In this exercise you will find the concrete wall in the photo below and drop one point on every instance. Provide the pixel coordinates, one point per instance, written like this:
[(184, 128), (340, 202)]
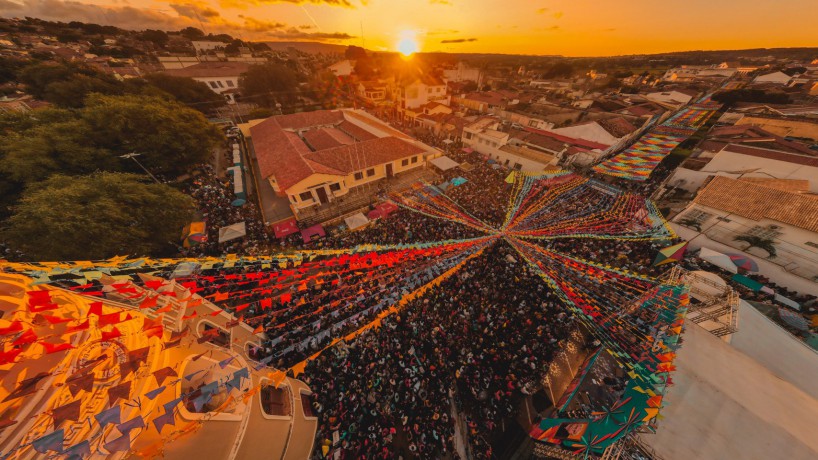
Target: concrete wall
[(726, 405), (772, 271)]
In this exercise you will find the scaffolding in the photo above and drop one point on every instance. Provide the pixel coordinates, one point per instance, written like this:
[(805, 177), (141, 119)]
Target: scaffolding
[(713, 306)]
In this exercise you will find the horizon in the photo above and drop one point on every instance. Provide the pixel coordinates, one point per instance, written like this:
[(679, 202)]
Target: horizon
[(544, 28)]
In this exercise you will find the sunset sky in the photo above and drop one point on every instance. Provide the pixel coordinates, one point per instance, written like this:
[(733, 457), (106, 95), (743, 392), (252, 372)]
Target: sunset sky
[(567, 27)]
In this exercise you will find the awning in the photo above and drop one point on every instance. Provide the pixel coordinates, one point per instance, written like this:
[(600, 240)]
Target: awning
[(374, 214), (443, 185), (718, 259), (750, 283), (458, 181), (787, 301), (356, 221), (447, 141), (232, 232), (386, 208), (285, 227), (309, 233), (744, 262), (468, 149), (444, 163)]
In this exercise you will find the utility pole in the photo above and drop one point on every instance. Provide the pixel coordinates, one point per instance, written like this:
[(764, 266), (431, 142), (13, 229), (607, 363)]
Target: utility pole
[(133, 156)]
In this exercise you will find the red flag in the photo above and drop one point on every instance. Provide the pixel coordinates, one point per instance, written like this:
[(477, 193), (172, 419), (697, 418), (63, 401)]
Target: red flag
[(15, 326), (148, 302), (7, 357), (154, 284), (286, 298), (55, 347), (111, 335), (95, 308), (25, 338), (164, 309), (266, 303), (195, 314), (220, 296), (110, 318), (55, 319), (79, 327), (259, 329)]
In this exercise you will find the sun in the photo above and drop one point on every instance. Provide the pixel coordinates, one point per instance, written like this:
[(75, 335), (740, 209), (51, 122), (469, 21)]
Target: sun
[(408, 44)]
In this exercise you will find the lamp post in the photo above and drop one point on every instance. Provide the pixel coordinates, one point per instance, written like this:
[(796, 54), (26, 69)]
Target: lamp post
[(133, 156)]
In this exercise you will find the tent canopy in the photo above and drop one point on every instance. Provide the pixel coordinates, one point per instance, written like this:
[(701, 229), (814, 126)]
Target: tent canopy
[(748, 282), (232, 232), (356, 221), (459, 181), (308, 233), (718, 259), (285, 227), (444, 163), (386, 208)]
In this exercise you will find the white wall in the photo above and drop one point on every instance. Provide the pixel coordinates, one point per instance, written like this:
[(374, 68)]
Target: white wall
[(730, 161)]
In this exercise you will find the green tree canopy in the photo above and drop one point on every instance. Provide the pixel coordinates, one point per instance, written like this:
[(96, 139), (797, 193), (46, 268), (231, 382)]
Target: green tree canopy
[(269, 83), (187, 91), (98, 216), (67, 84), (169, 136)]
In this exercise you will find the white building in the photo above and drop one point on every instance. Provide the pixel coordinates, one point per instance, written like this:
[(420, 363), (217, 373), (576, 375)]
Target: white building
[(343, 68), (726, 209), (220, 77), (692, 72), (484, 136), (778, 78), (607, 132), (418, 93), (462, 72), (673, 98)]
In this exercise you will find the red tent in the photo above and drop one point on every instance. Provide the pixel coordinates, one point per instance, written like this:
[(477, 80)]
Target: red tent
[(386, 208), (285, 227), (315, 230), (374, 214)]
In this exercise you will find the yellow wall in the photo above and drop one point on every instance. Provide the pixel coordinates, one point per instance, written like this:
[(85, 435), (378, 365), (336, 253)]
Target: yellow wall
[(783, 127)]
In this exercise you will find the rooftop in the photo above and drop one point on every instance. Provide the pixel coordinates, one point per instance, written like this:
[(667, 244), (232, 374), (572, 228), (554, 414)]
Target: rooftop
[(210, 69), (291, 148), (754, 201)]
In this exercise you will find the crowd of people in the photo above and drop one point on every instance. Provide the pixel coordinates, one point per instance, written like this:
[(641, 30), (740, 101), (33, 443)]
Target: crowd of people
[(477, 343), (214, 197)]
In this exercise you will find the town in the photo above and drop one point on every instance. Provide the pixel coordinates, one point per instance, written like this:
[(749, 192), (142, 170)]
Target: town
[(230, 248)]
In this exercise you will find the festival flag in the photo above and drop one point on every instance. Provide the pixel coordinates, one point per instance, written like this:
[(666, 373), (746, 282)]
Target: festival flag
[(149, 302), (120, 444), (14, 326), (112, 334), (7, 357), (670, 254), (107, 416), (154, 393), (70, 411), (51, 442), (77, 328), (80, 450), (95, 308), (83, 382), (25, 338), (163, 374), (162, 420), (126, 427), (26, 387), (121, 391), (55, 347)]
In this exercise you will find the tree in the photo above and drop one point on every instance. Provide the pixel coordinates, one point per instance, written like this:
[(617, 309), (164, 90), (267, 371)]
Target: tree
[(469, 86), (268, 84), (157, 37), (192, 33), (52, 148), (67, 84), (187, 91), (98, 216), (170, 136), (355, 52), (754, 241)]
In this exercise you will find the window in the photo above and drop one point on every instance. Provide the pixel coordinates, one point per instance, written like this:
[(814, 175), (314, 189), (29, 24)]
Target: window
[(359, 175), (275, 401), (220, 84), (404, 162), (698, 216), (768, 232), (518, 166), (334, 187), (230, 83), (213, 85), (370, 172), (305, 196), (414, 159), (810, 243), (723, 219)]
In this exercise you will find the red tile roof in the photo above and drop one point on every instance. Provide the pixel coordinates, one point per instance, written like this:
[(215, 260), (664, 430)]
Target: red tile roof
[(326, 138), (773, 155), (282, 154), (569, 140), (756, 202), (351, 158)]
